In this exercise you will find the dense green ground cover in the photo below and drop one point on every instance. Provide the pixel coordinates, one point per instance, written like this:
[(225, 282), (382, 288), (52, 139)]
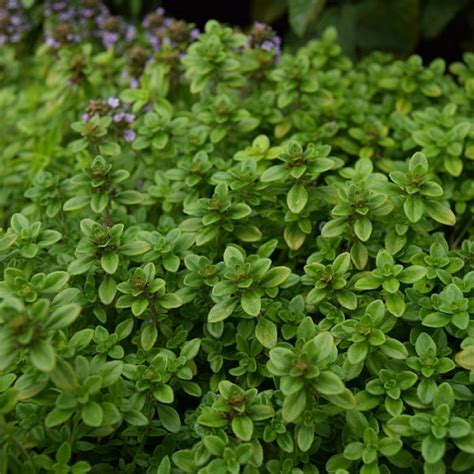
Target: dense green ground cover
[(216, 258)]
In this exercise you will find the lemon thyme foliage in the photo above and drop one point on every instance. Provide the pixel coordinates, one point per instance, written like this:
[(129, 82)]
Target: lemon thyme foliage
[(220, 257)]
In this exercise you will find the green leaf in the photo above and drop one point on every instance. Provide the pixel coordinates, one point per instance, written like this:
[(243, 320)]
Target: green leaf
[(432, 449), (458, 428), (321, 346), (8, 400), (344, 400), (441, 213), (138, 305), (64, 316), (48, 237), (135, 418), (466, 444), (266, 333), (107, 290), (261, 412), (99, 202), (395, 303), (92, 414), (328, 383), (400, 425), (363, 228), (347, 299), (412, 274), (294, 405), (76, 203), (279, 360), (130, 197), (184, 459), (191, 348), (436, 320), (367, 283), (353, 451), (222, 310), (132, 249), (81, 265), (248, 233), (43, 356), (165, 466), (274, 173), (251, 302), (359, 255), (275, 277), (297, 198), (242, 426), (169, 418), (294, 237), (240, 211), (342, 263), (465, 358), (334, 228), (57, 417), (413, 207), (164, 393), (212, 418), (394, 349), (148, 337), (63, 454), (170, 301), (109, 262), (111, 372), (305, 437), (110, 149), (357, 352), (55, 281)]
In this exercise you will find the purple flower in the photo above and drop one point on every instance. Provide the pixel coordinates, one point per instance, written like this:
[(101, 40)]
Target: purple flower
[(262, 36), (13, 23), (130, 33), (15, 20), (85, 117), (129, 135), (118, 117), (129, 118), (194, 34), (267, 46), (109, 39), (155, 19), (113, 102), (155, 42)]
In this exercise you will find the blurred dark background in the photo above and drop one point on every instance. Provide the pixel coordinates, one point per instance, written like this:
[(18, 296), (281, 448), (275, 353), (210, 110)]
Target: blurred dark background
[(431, 28)]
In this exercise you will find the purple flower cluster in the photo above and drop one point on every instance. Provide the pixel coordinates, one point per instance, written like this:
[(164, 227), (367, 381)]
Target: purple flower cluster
[(122, 120), (162, 31), (72, 21), (166, 38), (262, 36), (137, 58), (113, 29), (13, 22)]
